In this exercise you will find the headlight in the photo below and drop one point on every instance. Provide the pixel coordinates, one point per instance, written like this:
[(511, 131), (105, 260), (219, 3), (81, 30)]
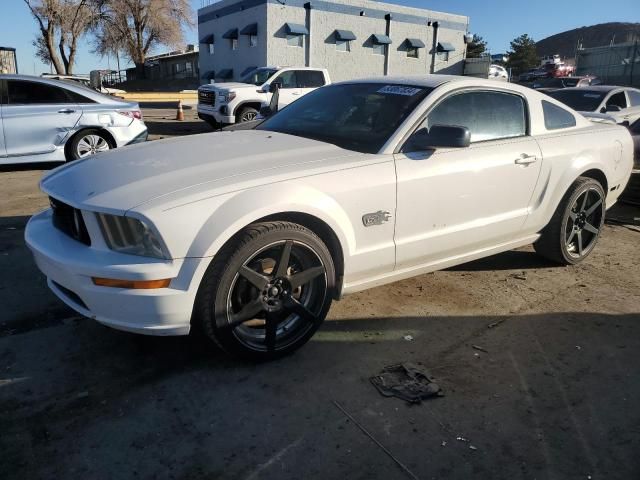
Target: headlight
[(227, 97), (130, 235)]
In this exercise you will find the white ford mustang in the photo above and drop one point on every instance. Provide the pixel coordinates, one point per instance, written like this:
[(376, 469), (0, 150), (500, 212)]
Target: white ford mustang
[(247, 236)]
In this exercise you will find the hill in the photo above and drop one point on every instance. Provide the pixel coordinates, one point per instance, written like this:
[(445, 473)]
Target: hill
[(565, 43)]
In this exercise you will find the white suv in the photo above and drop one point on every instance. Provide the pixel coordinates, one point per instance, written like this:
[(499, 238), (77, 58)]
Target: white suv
[(234, 102)]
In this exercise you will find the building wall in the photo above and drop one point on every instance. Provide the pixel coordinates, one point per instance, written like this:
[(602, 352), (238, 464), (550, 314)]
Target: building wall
[(362, 17), (224, 57)]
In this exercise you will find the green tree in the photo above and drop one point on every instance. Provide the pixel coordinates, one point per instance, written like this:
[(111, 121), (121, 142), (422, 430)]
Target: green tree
[(476, 47), (522, 56)]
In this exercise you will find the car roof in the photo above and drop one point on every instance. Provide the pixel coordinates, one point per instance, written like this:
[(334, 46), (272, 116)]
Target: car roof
[(74, 87), (597, 88), (436, 80)]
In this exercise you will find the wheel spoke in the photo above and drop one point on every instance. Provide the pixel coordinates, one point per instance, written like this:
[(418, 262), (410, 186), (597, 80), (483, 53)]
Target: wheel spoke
[(248, 312), (283, 263), (573, 234), (584, 201), (593, 207), (580, 243), (270, 330), (304, 277), (590, 228), (256, 279), (573, 216), (296, 307)]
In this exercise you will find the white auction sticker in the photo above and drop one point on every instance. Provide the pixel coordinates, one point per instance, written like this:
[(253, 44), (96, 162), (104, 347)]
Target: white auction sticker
[(399, 90)]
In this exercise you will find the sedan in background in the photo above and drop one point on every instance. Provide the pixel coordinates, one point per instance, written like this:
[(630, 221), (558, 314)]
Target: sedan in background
[(621, 103), (551, 84), (44, 120)]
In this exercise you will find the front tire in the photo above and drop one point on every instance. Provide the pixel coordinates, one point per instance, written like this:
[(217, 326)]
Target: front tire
[(88, 142), (246, 114), (575, 227), (266, 293)]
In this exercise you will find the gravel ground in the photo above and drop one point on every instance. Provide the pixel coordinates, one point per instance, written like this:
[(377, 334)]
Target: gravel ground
[(538, 365)]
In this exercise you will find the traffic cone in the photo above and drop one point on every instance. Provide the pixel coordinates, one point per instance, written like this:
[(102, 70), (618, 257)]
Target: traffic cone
[(180, 113)]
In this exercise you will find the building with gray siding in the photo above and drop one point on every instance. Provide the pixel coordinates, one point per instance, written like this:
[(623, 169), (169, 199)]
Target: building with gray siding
[(351, 38)]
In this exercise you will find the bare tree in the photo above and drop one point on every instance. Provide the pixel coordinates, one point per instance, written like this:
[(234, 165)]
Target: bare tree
[(137, 26), (61, 24)]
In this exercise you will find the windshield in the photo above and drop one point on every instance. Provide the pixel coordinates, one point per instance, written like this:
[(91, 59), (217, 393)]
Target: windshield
[(258, 76), (358, 117), (582, 100)]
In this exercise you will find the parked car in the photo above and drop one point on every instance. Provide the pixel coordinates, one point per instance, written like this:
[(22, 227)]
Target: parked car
[(551, 84), (222, 104), (621, 103), (527, 76), (498, 72), (84, 81), (248, 236), (52, 121)]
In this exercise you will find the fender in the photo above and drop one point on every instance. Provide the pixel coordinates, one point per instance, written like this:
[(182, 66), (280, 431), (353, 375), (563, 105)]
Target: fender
[(554, 183), (245, 102)]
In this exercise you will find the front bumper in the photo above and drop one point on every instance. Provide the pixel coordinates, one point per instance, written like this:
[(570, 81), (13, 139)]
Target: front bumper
[(214, 112), (69, 266)]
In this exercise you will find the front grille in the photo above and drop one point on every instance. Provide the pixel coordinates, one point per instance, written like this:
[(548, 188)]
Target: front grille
[(69, 220), (207, 98)]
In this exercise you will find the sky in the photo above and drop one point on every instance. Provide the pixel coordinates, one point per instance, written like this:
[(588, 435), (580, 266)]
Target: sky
[(497, 21)]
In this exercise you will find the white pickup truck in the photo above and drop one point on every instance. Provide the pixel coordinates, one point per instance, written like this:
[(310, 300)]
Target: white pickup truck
[(234, 102)]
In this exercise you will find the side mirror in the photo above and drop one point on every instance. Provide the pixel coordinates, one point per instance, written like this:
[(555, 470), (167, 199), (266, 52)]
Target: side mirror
[(447, 136), (274, 87), (613, 108), (265, 88)]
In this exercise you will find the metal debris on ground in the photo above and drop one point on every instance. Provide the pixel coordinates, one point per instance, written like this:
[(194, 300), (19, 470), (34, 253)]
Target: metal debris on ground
[(519, 276), (408, 338), (407, 382), (477, 347), (471, 447), (462, 439)]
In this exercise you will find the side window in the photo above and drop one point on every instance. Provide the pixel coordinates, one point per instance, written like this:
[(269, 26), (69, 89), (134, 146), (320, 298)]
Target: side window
[(618, 99), (77, 98), (556, 117), (288, 79), (487, 115), (634, 97), (22, 92), (310, 78)]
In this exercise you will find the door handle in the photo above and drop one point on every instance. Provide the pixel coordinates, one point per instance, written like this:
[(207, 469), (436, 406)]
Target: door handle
[(295, 93), (66, 110), (525, 159)]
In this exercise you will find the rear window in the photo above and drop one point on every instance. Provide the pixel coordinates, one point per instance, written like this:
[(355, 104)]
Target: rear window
[(582, 100), (556, 117)]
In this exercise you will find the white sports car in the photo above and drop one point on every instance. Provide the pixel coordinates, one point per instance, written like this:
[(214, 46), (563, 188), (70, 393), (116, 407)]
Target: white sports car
[(248, 236)]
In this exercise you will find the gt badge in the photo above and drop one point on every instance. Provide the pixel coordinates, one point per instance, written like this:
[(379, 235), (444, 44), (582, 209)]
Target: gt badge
[(376, 218)]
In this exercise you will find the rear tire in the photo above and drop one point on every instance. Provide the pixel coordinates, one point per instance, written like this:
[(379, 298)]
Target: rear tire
[(88, 142), (575, 227), (266, 293)]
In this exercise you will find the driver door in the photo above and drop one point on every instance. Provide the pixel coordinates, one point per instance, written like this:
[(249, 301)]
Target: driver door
[(452, 202), (289, 90)]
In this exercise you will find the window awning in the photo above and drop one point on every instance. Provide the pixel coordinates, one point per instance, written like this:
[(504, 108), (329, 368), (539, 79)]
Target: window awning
[(415, 43), (233, 33), (344, 35), (207, 39), (251, 29), (210, 75), (445, 47), (225, 73), (295, 29), (380, 39)]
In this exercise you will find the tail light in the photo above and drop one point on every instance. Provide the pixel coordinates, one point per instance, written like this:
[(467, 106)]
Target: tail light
[(133, 114)]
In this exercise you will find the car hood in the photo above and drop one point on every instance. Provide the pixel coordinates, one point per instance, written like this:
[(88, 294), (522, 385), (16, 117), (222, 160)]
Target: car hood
[(122, 179)]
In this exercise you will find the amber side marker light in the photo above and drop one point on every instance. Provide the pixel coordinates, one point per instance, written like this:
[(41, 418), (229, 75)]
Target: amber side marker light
[(135, 284)]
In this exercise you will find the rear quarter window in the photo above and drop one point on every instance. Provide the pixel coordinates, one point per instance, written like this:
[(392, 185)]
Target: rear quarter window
[(634, 97), (556, 117)]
